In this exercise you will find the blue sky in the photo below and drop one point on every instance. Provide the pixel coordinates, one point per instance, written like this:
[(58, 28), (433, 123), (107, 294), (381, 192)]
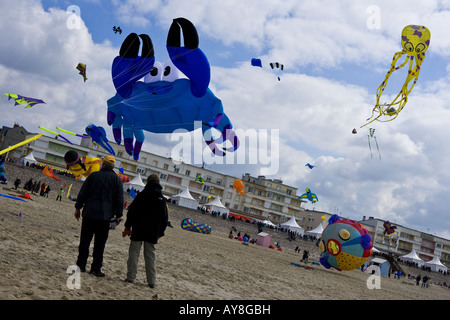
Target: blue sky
[(334, 62)]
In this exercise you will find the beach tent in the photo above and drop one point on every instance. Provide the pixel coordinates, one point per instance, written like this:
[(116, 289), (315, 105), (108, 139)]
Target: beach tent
[(136, 183), (292, 225), (263, 239), (413, 257), (269, 223), (382, 264), (29, 158), (185, 199), (316, 232), (436, 265), (216, 205)]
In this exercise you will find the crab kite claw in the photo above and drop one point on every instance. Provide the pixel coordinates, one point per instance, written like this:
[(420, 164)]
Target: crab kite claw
[(189, 59)]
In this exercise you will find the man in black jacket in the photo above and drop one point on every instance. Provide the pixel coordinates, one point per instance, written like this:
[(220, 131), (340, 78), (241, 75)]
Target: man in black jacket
[(147, 219), (101, 197)]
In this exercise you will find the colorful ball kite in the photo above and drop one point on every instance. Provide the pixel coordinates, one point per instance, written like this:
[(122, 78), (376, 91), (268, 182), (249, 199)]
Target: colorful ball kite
[(190, 225), (415, 41), (344, 245)]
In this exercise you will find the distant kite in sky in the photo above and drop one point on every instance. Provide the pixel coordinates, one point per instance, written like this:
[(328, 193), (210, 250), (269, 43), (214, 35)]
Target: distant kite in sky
[(117, 30), (200, 179), (415, 41), (309, 166), (98, 135), (372, 135), (354, 131), (26, 100), (276, 66), (309, 195), (82, 68)]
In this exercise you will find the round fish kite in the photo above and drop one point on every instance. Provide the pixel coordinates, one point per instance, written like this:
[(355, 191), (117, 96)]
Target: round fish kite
[(190, 225), (164, 102), (415, 40), (344, 245)]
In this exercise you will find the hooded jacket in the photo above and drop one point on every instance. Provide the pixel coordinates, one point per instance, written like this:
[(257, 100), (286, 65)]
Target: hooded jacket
[(147, 215)]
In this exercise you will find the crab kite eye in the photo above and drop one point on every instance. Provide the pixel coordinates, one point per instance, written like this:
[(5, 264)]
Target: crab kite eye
[(409, 47), (170, 72), (344, 234), (155, 74), (420, 47)]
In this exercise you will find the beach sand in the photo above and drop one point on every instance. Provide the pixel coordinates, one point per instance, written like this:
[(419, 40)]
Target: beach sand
[(37, 249)]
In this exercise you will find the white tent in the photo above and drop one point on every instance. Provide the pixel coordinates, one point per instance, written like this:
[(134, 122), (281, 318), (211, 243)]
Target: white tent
[(29, 158), (216, 205), (316, 232), (136, 183), (269, 223), (413, 257), (292, 225), (436, 265), (185, 199)]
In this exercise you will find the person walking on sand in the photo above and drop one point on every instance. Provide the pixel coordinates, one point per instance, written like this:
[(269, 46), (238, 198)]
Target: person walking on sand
[(147, 219), (101, 198), (60, 193)]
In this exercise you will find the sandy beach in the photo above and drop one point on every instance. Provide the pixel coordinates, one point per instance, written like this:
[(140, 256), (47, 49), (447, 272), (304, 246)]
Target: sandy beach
[(39, 244)]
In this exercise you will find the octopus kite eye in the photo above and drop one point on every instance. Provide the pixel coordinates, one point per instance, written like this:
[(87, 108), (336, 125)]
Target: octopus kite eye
[(420, 47), (409, 47)]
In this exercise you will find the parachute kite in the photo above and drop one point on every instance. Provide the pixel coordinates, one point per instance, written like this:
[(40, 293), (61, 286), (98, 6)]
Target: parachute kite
[(415, 41), (275, 66), (372, 135), (344, 244), (164, 103), (49, 173), (21, 99), (309, 195), (388, 228), (239, 186), (190, 225), (82, 68), (98, 135)]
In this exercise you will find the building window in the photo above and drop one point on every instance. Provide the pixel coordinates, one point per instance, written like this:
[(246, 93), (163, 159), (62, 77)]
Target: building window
[(166, 166), (208, 178), (120, 153), (219, 181), (188, 172), (246, 209), (251, 189), (163, 176), (176, 169), (289, 192), (155, 163), (206, 188), (236, 206)]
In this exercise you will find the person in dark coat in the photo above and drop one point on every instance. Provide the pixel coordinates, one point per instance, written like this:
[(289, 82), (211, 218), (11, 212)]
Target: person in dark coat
[(147, 219), (101, 198)]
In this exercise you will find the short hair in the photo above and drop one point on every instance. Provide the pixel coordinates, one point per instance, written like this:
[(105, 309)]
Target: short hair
[(153, 177)]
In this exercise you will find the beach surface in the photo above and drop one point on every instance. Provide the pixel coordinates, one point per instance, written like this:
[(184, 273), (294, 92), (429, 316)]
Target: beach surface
[(39, 246)]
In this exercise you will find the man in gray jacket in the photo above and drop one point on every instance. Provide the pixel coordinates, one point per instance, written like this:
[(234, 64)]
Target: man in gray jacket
[(101, 197)]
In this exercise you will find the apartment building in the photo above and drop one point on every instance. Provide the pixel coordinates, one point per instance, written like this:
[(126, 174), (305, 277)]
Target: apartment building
[(427, 246)]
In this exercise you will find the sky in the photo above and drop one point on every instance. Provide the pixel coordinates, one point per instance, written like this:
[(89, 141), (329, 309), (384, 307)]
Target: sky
[(335, 55)]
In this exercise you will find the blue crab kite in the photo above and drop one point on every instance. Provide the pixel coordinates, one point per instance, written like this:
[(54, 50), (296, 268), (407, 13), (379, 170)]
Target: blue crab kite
[(163, 102)]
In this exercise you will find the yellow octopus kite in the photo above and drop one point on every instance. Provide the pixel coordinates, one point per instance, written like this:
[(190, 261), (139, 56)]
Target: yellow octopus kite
[(415, 41)]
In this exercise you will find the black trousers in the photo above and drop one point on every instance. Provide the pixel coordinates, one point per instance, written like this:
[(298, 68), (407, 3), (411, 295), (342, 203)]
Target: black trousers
[(89, 229)]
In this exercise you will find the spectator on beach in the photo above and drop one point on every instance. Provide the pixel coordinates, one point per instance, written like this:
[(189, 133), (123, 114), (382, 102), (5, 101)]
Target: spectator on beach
[(418, 279), (43, 189), (147, 219), (305, 256), (231, 234), (60, 193), (16, 183), (424, 281), (101, 198), (47, 190)]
